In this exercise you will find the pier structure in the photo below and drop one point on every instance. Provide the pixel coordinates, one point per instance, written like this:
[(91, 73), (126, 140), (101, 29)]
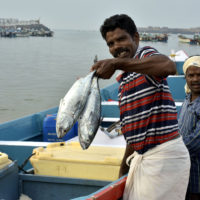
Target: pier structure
[(10, 27)]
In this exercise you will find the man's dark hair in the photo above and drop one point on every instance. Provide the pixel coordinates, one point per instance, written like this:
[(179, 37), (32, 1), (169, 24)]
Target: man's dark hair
[(118, 21)]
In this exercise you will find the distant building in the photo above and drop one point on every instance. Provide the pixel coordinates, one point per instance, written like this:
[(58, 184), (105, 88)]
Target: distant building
[(15, 22)]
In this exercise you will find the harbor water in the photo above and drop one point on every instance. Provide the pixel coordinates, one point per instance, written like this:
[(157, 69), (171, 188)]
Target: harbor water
[(36, 72)]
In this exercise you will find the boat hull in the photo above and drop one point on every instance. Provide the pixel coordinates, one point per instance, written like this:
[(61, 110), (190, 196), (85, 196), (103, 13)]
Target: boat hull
[(19, 137)]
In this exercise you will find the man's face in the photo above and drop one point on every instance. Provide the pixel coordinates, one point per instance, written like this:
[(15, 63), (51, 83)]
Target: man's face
[(121, 44), (193, 79)]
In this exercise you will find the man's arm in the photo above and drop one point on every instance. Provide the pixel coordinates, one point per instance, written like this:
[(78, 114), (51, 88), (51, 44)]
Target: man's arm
[(124, 168), (156, 65)]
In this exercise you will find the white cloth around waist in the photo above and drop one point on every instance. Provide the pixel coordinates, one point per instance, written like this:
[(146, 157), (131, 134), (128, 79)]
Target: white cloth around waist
[(162, 173)]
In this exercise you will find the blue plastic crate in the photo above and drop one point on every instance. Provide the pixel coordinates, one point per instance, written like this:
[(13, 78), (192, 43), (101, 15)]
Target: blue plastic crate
[(49, 130)]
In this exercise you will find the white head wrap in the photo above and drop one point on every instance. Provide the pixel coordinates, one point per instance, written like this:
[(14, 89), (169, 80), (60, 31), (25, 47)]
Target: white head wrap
[(192, 61)]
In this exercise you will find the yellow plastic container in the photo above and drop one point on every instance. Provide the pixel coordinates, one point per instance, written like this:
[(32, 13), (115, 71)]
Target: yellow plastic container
[(69, 160), (4, 161)]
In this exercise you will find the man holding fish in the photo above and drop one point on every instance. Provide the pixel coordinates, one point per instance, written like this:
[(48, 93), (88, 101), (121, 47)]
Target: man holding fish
[(156, 159)]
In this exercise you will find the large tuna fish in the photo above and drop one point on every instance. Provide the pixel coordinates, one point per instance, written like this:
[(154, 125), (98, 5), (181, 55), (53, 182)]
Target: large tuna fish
[(72, 105), (89, 120)]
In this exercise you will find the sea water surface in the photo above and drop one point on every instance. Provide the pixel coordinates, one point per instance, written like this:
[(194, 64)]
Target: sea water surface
[(36, 72)]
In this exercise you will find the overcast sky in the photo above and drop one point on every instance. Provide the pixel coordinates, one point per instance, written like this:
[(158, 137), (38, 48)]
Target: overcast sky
[(89, 14)]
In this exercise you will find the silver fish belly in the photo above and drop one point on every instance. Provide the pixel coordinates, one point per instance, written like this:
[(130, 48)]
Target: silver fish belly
[(89, 119), (72, 105)]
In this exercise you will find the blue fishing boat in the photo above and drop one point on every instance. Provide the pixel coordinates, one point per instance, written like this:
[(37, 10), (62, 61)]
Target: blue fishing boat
[(18, 139)]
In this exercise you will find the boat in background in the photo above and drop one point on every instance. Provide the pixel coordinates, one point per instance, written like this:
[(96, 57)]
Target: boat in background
[(193, 41), (197, 38), (184, 39), (158, 37)]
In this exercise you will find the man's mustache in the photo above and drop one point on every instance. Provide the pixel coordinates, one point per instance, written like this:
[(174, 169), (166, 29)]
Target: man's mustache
[(118, 51)]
